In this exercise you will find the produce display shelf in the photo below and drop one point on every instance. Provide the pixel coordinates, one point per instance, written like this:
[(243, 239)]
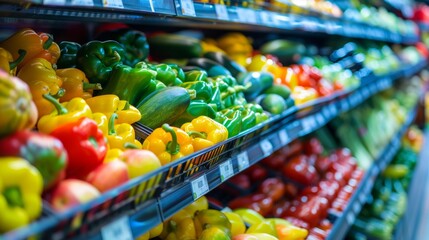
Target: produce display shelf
[(178, 197), (345, 220), (424, 27), (408, 227), (134, 208), (187, 13)]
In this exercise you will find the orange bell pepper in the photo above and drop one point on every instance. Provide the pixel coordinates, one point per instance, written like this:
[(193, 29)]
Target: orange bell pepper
[(36, 45)]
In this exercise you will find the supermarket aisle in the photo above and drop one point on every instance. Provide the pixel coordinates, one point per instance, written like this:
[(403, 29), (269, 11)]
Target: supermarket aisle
[(419, 196)]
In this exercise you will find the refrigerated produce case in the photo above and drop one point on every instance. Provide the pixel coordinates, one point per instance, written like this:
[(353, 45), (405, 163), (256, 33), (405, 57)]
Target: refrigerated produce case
[(134, 208)]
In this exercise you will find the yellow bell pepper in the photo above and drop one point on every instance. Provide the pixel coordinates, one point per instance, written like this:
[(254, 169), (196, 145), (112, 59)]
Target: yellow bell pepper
[(169, 143), (42, 79), (265, 226), (205, 132), (76, 84), (120, 134), (109, 104), (290, 232), (7, 63), (21, 188), (102, 122), (205, 219), (112, 154), (65, 113), (237, 223), (302, 95)]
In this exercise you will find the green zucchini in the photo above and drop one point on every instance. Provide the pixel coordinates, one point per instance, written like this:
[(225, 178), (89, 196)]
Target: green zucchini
[(225, 61), (163, 106), (164, 46)]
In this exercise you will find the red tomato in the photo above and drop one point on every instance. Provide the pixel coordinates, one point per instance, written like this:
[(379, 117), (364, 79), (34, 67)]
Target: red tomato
[(291, 190), (325, 225), (300, 171), (274, 161), (241, 181), (273, 187), (256, 173)]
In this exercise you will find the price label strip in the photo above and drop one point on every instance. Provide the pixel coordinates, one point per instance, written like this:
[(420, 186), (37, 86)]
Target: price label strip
[(226, 170), (113, 3), (118, 230), (54, 2), (188, 8), (82, 3), (246, 15), (266, 18), (221, 12), (284, 138), (200, 187), (267, 147), (242, 161)]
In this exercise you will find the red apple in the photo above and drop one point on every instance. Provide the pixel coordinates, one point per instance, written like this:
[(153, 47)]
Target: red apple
[(72, 192), (109, 175)]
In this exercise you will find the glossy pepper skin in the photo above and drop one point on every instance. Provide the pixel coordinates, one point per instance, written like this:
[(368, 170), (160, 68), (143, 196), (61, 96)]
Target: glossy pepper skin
[(208, 218), (42, 79), (134, 42), (205, 132), (195, 109), (120, 134), (7, 63), (260, 115), (85, 145), (34, 44), (44, 152), (129, 83), (169, 143), (18, 111), (109, 104), (169, 74), (64, 113), (76, 84), (68, 54), (231, 120), (248, 117), (195, 76), (21, 189), (97, 59), (203, 90)]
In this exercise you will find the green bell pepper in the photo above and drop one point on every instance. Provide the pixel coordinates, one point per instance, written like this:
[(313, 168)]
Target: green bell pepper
[(166, 74), (129, 83), (195, 109), (196, 75), (231, 120), (260, 114), (180, 74), (248, 117), (68, 54), (134, 42), (97, 59), (204, 90)]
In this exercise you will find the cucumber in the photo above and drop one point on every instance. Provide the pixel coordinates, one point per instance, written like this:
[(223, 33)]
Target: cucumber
[(163, 106), (224, 60), (273, 103), (259, 80), (164, 46)]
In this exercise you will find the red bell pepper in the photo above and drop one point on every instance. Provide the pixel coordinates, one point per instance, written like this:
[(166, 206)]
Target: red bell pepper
[(299, 170), (273, 187), (85, 145), (313, 146), (44, 152)]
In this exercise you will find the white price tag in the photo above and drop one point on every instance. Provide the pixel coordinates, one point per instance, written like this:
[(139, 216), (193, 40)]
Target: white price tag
[(356, 207), (266, 17), (243, 161), (226, 170), (326, 112), (267, 147), (118, 230), (246, 15), (82, 3), (113, 3), (350, 218), (188, 8), (284, 138), (221, 12), (199, 187), (54, 2), (333, 110), (362, 198), (320, 119)]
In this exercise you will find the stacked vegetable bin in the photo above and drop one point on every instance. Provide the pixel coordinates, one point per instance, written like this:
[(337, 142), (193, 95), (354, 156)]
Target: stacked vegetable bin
[(124, 131)]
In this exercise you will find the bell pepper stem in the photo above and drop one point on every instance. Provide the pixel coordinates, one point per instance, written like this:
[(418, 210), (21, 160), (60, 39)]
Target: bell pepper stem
[(21, 56), (197, 134), (61, 110), (59, 94), (129, 145), (91, 86), (13, 197), (111, 126), (48, 42), (114, 59), (192, 93), (172, 146)]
